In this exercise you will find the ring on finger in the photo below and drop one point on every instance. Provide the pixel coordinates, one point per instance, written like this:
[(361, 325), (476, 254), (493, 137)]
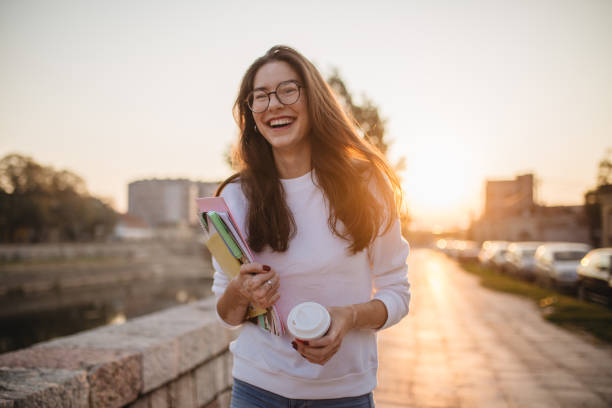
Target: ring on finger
[(269, 283)]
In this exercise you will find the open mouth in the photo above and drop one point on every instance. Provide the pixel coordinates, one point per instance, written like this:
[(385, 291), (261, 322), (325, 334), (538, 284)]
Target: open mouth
[(280, 123)]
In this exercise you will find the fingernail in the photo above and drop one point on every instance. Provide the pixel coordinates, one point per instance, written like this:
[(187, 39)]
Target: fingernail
[(266, 268), (294, 345)]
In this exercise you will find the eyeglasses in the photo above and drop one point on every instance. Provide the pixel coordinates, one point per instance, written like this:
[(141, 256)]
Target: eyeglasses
[(287, 93)]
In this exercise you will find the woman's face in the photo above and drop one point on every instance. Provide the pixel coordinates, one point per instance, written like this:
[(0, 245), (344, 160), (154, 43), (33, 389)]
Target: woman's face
[(285, 127)]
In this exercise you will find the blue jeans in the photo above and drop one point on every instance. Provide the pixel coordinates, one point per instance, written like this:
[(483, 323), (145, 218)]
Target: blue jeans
[(245, 395)]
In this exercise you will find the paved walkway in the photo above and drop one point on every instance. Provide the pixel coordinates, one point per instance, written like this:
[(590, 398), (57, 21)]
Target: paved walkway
[(466, 346)]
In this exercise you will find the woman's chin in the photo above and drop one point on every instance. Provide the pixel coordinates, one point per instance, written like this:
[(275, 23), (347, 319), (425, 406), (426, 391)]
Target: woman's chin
[(285, 143)]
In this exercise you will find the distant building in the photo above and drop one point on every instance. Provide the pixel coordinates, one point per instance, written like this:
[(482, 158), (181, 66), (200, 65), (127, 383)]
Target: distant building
[(131, 227), (167, 202), (207, 188), (505, 198), (512, 215), (598, 205)]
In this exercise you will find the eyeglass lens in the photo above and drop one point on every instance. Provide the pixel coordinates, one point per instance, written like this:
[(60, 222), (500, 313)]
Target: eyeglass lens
[(287, 93)]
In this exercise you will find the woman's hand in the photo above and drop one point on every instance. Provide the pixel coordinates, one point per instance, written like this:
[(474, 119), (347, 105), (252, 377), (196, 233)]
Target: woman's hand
[(258, 285), (319, 351)]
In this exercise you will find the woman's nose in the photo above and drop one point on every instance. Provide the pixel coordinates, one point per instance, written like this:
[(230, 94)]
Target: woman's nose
[(274, 102)]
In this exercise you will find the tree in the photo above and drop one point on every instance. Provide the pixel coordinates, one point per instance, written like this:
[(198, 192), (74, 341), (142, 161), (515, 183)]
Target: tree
[(604, 172), (371, 125), (592, 204), (38, 203)]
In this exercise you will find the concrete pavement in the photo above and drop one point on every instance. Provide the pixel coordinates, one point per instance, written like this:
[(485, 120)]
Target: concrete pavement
[(466, 346)]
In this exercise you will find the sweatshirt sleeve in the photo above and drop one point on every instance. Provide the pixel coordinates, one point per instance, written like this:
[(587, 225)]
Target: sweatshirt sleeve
[(220, 278), (220, 282), (389, 254)]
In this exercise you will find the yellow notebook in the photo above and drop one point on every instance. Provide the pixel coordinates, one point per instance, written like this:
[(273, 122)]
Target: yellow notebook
[(229, 264)]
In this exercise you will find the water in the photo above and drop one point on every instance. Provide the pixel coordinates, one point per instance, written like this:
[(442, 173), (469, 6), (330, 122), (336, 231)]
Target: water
[(44, 299), (54, 315)]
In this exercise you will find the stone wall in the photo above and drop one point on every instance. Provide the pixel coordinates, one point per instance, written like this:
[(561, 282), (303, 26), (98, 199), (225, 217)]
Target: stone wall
[(67, 251), (175, 358)]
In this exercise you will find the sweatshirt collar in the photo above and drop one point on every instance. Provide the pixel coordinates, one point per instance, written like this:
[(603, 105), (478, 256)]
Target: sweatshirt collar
[(297, 183)]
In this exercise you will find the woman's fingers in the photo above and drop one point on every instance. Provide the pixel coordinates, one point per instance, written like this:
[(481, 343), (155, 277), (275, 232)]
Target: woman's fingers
[(255, 283), (270, 286), (259, 284), (267, 287), (266, 293), (270, 301), (317, 355), (320, 351), (266, 297), (251, 268)]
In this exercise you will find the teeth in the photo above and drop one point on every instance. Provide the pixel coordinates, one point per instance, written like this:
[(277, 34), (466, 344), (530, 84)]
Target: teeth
[(280, 122)]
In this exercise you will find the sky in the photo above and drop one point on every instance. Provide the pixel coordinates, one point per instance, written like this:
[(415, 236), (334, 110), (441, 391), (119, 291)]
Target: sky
[(117, 91)]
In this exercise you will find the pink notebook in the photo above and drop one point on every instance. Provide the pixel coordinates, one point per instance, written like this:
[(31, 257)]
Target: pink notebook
[(270, 319)]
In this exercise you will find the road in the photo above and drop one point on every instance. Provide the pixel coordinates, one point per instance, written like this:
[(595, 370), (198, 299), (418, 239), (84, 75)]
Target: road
[(466, 346)]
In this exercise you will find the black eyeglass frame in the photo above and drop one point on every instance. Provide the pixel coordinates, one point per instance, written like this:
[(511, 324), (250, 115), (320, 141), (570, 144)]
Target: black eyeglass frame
[(293, 81)]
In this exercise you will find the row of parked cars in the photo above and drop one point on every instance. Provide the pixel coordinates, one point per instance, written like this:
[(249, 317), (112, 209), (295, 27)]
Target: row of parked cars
[(569, 266)]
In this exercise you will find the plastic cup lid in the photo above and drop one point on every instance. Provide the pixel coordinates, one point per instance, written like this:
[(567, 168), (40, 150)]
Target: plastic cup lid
[(308, 320)]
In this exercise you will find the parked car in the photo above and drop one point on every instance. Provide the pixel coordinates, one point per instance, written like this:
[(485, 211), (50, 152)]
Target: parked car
[(556, 263), (483, 254), (498, 255), (452, 249), (491, 253), (444, 245), (467, 250), (595, 276), (520, 259)]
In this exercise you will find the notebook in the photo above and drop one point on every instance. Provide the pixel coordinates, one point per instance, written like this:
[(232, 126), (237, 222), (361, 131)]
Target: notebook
[(228, 246)]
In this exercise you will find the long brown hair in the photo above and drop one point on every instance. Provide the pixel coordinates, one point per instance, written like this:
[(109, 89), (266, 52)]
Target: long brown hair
[(344, 165)]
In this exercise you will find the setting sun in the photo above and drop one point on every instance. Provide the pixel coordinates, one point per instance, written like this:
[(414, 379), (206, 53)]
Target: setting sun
[(441, 186)]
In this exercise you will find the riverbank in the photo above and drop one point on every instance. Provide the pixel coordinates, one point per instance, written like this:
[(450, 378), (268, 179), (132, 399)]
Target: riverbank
[(46, 297)]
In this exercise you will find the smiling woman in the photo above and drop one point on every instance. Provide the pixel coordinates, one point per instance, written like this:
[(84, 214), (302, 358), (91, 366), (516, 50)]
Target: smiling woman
[(320, 206), (283, 119)]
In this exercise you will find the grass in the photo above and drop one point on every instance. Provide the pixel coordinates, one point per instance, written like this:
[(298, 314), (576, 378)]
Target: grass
[(558, 308)]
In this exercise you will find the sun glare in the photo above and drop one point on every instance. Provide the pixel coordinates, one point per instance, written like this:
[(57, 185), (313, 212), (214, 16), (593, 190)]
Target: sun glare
[(440, 182)]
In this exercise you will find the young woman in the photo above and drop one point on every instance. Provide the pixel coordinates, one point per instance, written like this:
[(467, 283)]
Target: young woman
[(319, 206)]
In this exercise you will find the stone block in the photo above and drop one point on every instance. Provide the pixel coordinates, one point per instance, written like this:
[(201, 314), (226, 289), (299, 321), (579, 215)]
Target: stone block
[(199, 334), (220, 372), (159, 355), (205, 382), (6, 403), (224, 399), (114, 376), (182, 392), (39, 387), (578, 398), (160, 398), (229, 365), (142, 402), (212, 404)]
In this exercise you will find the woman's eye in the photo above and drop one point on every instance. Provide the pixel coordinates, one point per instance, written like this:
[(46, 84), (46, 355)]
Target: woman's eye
[(288, 91)]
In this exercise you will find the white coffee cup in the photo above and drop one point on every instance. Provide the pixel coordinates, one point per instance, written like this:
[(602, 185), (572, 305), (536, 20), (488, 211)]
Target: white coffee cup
[(308, 321)]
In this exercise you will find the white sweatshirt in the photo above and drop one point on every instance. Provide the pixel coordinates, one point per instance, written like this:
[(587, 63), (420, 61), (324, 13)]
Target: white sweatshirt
[(318, 267)]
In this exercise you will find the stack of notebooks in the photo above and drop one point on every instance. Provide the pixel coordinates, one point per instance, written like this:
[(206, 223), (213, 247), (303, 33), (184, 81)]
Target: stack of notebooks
[(227, 244)]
